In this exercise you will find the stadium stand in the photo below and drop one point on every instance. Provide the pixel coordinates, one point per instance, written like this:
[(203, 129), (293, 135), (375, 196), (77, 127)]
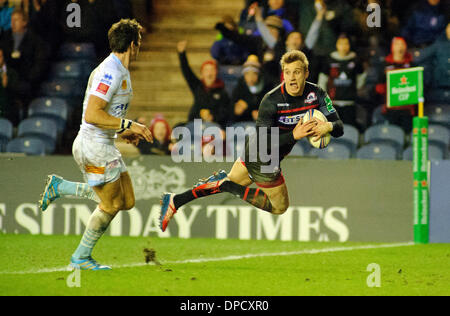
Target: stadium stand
[(79, 51), (377, 152), (27, 145), (386, 133), (334, 151), (42, 128), (53, 108), (350, 139)]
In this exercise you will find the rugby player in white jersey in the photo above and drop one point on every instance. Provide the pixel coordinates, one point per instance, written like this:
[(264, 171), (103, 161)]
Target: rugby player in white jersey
[(105, 106)]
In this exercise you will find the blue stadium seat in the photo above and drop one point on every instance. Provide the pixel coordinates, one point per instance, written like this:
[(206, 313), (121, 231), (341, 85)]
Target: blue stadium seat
[(6, 133), (378, 117), (63, 88), (334, 151), (52, 108), (438, 114), (68, 70), (27, 145), (230, 75), (349, 139), (377, 152), (42, 128), (439, 135), (434, 153), (78, 51), (385, 133)]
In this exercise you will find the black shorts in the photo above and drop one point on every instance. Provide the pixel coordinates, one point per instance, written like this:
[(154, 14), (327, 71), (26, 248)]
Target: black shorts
[(262, 179)]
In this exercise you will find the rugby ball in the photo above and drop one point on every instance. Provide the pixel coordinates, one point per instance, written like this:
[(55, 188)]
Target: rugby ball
[(325, 140)]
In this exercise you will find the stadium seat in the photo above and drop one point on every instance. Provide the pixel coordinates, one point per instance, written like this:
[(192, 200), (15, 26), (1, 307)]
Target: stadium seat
[(385, 133), (298, 151), (334, 151), (78, 51), (349, 139), (378, 117), (438, 114), (434, 153), (68, 70), (42, 128), (377, 152), (53, 108), (6, 133), (63, 88), (27, 145), (440, 135), (230, 75)]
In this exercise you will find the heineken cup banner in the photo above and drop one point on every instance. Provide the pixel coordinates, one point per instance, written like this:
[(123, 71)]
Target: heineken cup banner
[(405, 87), (353, 200)]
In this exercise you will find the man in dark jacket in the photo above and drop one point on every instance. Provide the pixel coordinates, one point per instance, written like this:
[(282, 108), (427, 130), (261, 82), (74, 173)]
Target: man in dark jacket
[(250, 91), (25, 52), (425, 24), (211, 101)]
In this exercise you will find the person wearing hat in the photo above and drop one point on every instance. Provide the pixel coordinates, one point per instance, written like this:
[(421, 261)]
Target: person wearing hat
[(250, 91), (211, 101)]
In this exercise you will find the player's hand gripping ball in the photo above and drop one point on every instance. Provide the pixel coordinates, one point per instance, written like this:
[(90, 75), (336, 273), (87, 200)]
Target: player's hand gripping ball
[(324, 140)]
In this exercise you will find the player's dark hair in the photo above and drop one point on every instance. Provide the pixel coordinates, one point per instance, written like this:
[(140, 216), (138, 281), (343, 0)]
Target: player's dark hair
[(122, 34), (292, 57)]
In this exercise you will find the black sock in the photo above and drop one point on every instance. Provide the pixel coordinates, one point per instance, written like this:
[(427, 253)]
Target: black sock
[(255, 197), (181, 199)]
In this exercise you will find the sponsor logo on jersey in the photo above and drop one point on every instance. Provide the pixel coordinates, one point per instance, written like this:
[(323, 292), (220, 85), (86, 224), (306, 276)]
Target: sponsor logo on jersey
[(312, 97), (329, 104), (103, 88), (124, 85), (283, 104), (291, 120), (107, 79)]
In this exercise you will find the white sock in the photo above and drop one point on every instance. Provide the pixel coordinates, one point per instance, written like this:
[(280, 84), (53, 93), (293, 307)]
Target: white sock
[(97, 225)]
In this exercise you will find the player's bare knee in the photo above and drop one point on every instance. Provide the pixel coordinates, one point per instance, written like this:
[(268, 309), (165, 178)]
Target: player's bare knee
[(128, 204)]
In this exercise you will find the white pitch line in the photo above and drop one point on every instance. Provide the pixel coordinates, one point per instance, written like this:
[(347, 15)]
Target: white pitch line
[(228, 258)]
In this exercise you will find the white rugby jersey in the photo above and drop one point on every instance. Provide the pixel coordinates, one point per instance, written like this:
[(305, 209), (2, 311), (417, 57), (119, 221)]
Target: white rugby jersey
[(111, 82)]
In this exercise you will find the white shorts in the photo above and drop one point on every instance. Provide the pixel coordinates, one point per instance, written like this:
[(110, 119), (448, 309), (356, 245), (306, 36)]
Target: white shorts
[(99, 159)]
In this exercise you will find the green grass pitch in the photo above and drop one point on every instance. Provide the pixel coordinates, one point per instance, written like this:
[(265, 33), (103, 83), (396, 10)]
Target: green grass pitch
[(33, 265)]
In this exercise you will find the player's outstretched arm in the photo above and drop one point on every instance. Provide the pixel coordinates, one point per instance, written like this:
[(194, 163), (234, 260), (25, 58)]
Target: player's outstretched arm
[(97, 116)]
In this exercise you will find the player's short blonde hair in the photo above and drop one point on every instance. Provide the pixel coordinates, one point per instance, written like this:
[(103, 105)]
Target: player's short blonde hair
[(292, 57)]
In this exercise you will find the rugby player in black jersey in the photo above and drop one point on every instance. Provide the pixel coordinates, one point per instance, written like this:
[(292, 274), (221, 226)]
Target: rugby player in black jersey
[(283, 107)]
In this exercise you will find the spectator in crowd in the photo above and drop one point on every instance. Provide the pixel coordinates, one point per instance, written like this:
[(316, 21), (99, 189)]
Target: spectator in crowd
[(211, 101), (8, 80), (437, 56), (247, 19), (338, 19), (398, 58), (295, 41), (5, 15), (269, 47), (96, 19), (26, 53), (425, 24), (277, 7), (339, 78), (41, 14), (225, 51), (161, 145), (250, 91)]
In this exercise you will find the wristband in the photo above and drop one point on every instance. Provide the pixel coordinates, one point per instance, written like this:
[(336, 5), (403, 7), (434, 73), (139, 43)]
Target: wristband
[(124, 125)]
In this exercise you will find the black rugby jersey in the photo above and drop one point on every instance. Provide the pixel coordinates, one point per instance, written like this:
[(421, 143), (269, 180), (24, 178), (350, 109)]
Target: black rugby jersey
[(279, 109)]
